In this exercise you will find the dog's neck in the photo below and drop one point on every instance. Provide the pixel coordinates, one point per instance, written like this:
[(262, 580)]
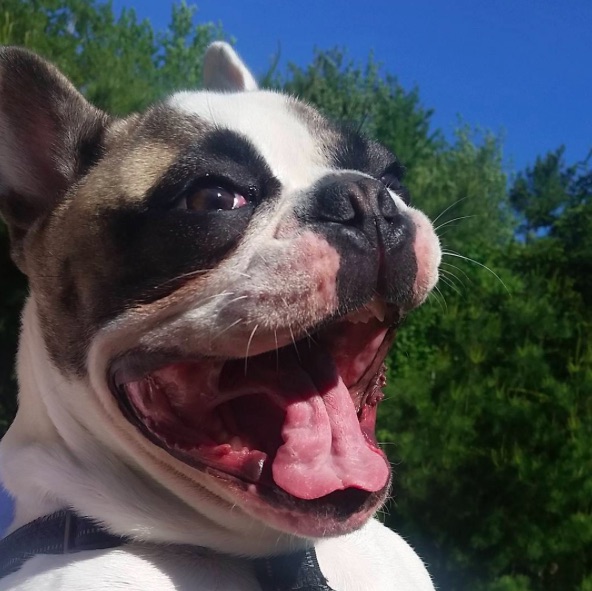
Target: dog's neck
[(32, 435), (42, 471)]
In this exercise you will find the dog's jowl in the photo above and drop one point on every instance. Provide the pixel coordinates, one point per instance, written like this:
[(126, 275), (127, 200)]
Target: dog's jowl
[(214, 286)]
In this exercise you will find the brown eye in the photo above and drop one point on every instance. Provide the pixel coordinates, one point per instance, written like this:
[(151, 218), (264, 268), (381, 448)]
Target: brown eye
[(212, 199)]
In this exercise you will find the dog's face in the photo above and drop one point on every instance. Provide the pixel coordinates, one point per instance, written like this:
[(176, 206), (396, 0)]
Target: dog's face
[(222, 277)]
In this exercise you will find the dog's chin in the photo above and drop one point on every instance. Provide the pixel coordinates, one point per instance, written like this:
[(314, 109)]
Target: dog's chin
[(289, 434)]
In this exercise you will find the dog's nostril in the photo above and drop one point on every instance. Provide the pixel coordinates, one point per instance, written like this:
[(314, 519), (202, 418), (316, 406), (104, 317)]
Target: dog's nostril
[(387, 206), (335, 204), (349, 199)]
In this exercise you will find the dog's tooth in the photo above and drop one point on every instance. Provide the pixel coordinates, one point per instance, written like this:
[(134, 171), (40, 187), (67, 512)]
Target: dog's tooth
[(223, 449), (361, 316), (378, 308), (236, 444)]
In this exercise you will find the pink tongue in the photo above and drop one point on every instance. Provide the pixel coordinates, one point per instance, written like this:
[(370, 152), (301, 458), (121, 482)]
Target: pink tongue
[(324, 449)]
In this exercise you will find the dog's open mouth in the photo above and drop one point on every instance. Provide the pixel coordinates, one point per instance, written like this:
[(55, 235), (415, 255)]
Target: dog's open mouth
[(295, 426)]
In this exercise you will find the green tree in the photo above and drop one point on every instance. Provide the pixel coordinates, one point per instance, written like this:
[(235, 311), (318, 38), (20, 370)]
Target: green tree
[(465, 176), (121, 64), (484, 404), (490, 405), (362, 97)]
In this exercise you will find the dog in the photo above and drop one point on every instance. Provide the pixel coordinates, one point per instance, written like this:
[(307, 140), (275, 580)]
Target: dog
[(214, 286)]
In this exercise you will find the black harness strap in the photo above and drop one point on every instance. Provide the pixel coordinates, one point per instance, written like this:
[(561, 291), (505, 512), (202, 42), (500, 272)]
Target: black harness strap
[(297, 572), (65, 532)]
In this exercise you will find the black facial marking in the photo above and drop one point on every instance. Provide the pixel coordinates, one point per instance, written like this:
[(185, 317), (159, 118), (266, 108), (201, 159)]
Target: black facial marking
[(223, 156), (158, 246), (358, 216), (351, 151), (347, 148), (226, 148), (354, 151), (159, 250)]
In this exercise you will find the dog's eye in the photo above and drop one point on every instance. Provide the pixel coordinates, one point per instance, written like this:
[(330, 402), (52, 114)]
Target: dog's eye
[(392, 182), (212, 198)]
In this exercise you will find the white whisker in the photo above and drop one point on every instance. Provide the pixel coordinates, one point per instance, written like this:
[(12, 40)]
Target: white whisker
[(230, 326), (248, 346), (448, 208), (470, 260), (451, 277), (238, 299), (443, 299), (450, 284), (213, 297), (294, 342), (462, 217), (457, 268), (196, 273)]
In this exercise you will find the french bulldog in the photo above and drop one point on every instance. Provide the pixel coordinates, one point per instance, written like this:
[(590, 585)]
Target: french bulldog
[(214, 286)]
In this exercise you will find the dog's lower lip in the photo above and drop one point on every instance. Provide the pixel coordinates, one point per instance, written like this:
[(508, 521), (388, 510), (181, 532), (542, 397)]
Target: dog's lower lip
[(238, 456)]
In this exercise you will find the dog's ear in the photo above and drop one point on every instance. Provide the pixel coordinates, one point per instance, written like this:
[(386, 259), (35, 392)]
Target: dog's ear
[(49, 136), (224, 70)]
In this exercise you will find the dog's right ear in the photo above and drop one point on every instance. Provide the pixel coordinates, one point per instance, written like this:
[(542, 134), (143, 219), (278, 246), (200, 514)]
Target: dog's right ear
[(49, 136)]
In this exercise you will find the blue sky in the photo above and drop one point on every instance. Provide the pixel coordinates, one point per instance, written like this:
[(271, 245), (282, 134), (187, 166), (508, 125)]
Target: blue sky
[(518, 67)]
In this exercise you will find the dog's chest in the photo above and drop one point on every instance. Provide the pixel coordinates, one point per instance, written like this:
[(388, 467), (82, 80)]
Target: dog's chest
[(371, 559), (135, 568)]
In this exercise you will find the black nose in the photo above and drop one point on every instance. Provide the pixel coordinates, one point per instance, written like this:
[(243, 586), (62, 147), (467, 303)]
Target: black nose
[(349, 199), (373, 237)]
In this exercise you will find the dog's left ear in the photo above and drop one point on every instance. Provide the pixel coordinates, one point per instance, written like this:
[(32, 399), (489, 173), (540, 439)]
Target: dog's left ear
[(49, 136), (224, 70)]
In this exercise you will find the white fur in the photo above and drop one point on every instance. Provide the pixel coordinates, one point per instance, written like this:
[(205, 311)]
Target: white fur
[(293, 154)]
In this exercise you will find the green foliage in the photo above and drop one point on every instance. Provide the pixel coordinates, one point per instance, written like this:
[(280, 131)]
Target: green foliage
[(363, 98), (491, 415), (553, 200), (120, 64), (488, 418), (463, 187)]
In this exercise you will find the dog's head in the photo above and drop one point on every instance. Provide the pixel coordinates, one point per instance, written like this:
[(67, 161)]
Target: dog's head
[(222, 277)]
